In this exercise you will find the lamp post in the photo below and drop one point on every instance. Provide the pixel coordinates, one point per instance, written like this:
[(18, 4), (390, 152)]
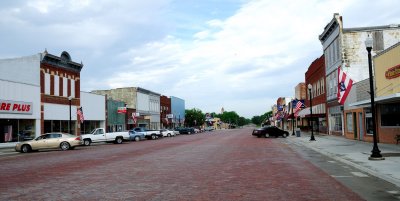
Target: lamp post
[(312, 132), (376, 153), (69, 123), (292, 119)]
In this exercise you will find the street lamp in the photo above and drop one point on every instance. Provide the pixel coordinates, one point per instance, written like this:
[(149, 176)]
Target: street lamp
[(376, 153), (292, 119), (69, 124), (312, 132)]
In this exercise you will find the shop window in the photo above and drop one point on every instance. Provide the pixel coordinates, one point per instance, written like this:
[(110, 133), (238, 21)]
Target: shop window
[(390, 114), (368, 123), (349, 122), (26, 129)]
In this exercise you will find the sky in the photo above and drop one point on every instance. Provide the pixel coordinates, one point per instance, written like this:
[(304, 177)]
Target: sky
[(241, 55)]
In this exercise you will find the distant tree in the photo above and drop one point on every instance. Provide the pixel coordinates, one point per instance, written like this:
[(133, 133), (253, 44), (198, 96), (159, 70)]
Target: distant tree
[(243, 121), (257, 120), (194, 117)]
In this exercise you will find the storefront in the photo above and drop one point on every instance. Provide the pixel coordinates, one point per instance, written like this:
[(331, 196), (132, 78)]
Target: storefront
[(387, 98), (19, 99), (93, 107)]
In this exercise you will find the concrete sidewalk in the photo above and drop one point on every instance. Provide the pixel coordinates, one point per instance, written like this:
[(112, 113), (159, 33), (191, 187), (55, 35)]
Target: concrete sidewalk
[(355, 153), (8, 145)]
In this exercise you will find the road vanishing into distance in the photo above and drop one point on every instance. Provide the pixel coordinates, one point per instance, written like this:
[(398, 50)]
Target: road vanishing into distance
[(218, 165)]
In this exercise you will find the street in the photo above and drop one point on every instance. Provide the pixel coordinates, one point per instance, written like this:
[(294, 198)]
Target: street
[(218, 165)]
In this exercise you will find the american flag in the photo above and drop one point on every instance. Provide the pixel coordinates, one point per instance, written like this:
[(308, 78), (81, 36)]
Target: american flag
[(298, 106), (80, 114)]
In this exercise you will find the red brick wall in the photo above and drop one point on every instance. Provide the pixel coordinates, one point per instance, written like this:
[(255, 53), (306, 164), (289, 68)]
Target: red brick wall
[(45, 98)]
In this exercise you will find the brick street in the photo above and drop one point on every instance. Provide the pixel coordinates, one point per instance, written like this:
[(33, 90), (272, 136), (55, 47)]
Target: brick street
[(219, 165)]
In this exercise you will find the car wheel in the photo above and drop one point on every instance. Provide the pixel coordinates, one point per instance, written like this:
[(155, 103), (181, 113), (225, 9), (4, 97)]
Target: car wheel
[(25, 148), (137, 138), (266, 135), (64, 146), (189, 133), (169, 134), (86, 142), (153, 137), (118, 140), (285, 135)]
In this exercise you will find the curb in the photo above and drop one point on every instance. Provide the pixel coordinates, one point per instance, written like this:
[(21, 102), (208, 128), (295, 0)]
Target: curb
[(349, 162)]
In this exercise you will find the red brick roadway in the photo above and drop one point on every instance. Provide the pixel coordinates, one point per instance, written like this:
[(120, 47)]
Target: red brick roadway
[(219, 165)]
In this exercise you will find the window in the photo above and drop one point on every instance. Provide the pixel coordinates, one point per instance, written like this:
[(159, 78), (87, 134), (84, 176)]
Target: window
[(56, 85), (368, 123), (47, 83), (73, 88), (378, 40), (390, 114), (322, 86), (65, 87), (349, 122)]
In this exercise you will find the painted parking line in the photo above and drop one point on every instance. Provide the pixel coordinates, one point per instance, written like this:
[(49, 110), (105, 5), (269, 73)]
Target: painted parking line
[(359, 174)]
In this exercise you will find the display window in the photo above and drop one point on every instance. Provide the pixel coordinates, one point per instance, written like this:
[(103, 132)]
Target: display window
[(15, 130)]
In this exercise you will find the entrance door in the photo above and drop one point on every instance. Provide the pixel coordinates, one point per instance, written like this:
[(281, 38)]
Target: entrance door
[(355, 125), (361, 126)]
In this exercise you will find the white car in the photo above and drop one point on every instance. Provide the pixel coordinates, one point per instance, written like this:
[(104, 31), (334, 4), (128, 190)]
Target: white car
[(167, 133)]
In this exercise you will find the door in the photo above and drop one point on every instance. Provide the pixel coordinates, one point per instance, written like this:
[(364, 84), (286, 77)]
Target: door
[(361, 126), (99, 136), (355, 125)]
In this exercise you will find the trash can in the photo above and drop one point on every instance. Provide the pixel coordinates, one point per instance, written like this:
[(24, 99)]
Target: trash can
[(298, 133)]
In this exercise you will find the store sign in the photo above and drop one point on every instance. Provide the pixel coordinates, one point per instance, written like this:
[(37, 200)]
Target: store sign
[(121, 110), (15, 107), (170, 116), (393, 72)]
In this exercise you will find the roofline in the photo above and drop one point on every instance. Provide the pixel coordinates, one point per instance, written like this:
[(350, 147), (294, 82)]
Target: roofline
[(372, 28)]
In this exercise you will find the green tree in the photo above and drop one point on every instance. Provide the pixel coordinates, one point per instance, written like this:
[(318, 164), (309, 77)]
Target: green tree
[(257, 120), (194, 117)]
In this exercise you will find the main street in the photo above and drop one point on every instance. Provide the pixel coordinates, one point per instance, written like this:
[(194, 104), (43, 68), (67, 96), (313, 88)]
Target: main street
[(218, 165)]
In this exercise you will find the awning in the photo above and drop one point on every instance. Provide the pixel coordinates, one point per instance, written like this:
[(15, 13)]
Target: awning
[(290, 116), (304, 112), (381, 99)]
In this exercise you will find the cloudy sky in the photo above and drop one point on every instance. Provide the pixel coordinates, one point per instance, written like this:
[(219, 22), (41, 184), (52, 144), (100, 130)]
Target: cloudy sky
[(237, 54)]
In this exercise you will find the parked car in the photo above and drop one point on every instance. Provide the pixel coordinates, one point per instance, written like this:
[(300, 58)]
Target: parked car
[(99, 135), (196, 130), (176, 132), (268, 131), (209, 128), (150, 134), (63, 141), (167, 132), (136, 136), (185, 130)]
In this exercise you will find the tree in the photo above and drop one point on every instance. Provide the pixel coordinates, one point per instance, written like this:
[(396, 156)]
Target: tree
[(194, 117), (257, 120)]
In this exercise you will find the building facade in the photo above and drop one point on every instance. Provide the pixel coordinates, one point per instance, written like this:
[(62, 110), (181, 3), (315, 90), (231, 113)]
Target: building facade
[(344, 48), (315, 76), (177, 111), (143, 105), (20, 106), (41, 94), (165, 112), (116, 120), (387, 100), (93, 107)]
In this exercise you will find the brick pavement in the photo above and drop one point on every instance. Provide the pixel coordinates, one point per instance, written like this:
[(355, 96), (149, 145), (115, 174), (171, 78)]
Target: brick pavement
[(222, 165)]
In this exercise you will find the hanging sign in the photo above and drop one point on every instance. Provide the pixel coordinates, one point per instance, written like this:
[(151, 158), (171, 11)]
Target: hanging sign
[(121, 110), (15, 107), (393, 72)]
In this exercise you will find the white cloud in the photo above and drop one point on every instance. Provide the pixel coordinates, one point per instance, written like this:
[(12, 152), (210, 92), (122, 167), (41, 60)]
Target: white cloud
[(242, 60)]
